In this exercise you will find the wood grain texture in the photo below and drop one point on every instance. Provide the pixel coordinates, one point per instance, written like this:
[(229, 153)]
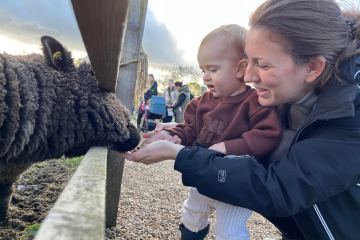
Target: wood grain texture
[(101, 24)]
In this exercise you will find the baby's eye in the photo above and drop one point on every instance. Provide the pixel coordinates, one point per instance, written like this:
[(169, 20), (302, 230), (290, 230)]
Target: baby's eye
[(212, 69)]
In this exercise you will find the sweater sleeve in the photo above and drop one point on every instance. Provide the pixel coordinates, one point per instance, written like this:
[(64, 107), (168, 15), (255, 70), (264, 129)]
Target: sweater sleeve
[(187, 131), (313, 170), (262, 138)]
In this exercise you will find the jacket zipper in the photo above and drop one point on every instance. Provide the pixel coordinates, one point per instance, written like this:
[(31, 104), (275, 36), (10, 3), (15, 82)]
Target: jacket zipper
[(322, 220), (317, 210)]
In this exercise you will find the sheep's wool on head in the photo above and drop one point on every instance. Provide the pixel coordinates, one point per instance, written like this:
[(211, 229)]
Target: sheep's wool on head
[(50, 108)]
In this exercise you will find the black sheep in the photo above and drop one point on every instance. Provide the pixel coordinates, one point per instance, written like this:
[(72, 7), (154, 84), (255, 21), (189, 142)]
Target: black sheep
[(49, 108)]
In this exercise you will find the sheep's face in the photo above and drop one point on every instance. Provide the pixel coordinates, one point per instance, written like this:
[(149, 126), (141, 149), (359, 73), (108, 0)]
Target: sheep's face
[(90, 115)]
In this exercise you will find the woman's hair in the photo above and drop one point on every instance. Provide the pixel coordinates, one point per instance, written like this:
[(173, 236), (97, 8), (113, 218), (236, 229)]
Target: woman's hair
[(178, 84), (233, 34), (312, 28)]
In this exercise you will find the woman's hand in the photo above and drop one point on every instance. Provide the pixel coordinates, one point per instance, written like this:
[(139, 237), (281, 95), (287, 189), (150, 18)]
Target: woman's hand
[(155, 152)]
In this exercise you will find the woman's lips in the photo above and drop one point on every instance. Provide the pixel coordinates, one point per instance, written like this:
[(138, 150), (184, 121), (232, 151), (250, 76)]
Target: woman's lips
[(262, 92)]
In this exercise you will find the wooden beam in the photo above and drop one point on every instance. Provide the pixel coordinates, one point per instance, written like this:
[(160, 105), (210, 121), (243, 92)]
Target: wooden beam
[(101, 24), (126, 79), (125, 88), (79, 213)]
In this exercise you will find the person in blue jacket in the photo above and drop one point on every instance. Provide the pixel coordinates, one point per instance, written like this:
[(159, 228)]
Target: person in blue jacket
[(304, 57)]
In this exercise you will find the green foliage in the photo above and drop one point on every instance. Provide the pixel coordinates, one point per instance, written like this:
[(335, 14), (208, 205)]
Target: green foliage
[(180, 73), (73, 162), (30, 231), (195, 88)]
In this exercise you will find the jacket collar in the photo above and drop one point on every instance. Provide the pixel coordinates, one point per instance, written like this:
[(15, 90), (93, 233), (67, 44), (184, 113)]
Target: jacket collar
[(336, 100)]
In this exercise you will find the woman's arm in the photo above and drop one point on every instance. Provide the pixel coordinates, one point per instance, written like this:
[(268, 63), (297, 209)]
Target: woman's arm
[(155, 152), (314, 170)]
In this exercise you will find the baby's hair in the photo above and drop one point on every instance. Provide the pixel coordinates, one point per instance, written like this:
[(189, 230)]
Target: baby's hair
[(234, 36)]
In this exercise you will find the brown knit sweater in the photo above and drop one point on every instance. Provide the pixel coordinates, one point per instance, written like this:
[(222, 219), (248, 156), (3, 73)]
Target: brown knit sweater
[(239, 121)]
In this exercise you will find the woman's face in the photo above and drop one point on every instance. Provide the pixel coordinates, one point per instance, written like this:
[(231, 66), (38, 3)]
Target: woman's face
[(272, 71)]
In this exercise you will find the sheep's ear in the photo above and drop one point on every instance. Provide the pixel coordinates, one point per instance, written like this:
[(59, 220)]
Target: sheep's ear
[(56, 55)]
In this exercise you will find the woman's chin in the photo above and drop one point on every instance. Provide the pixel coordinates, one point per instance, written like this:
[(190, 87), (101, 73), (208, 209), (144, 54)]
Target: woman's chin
[(266, 102)]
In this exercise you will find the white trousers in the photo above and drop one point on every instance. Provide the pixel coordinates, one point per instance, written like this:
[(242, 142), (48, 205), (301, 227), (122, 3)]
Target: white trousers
[(230, 219)]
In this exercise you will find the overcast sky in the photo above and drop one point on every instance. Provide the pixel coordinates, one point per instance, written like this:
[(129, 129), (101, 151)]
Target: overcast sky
[(173, 28)]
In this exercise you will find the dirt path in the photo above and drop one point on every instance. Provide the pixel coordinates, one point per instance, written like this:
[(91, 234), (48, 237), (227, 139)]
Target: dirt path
[(151, 201)]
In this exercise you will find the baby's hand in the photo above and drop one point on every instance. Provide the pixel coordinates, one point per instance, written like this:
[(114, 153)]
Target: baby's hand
[(164, 126), (219, 147), (156, 136), (175, 139)]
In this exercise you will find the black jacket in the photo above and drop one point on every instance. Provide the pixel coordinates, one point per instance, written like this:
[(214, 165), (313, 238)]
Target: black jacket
[(317, 183)]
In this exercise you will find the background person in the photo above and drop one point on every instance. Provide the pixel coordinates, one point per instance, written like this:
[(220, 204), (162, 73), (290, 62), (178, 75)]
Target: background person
[(182, 99), (152, 91), (303, 57), (170, 98)]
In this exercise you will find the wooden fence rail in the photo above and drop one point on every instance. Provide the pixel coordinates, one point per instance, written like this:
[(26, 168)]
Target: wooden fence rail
[(79, 213)]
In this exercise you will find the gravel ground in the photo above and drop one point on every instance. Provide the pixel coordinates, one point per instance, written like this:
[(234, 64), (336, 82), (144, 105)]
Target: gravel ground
[(151, 199), (150, 204)]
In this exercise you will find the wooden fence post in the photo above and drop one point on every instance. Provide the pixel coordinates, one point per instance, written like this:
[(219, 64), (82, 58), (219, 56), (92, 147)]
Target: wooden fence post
[(125, 88)]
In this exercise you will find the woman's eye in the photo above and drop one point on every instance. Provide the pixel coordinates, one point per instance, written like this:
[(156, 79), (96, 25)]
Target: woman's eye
[(263, 66)]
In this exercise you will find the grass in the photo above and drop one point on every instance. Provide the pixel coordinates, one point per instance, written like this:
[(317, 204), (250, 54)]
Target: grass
[(30, 231), (73, 162)]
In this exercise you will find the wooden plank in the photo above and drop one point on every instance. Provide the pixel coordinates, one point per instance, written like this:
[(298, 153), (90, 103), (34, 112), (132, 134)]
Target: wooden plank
[(115, 168), (79, 213), (101, 26), (125, 88), (126, 79)]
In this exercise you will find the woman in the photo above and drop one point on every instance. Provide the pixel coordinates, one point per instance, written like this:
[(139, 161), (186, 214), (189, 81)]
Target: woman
[(183, 98), (303, 57), (152, 91), (170, 97)]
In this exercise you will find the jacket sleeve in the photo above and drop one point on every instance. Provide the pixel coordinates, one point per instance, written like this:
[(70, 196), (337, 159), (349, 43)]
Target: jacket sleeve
[(313, 170), (187, 131), (262, 138), (180, 100)]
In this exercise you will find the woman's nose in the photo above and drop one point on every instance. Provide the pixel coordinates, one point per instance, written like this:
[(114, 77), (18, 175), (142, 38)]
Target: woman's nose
[(250, 75)]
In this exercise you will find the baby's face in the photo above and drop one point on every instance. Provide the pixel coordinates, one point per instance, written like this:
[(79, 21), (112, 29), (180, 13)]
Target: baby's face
[(222, 72)]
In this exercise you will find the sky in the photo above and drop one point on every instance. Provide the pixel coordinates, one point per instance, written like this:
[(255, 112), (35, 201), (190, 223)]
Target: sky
[(173, 28)]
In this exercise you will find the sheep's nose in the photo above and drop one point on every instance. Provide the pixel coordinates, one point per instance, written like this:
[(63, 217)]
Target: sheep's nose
[(131, 143)]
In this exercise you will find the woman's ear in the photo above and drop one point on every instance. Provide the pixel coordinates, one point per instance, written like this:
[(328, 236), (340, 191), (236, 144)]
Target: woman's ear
[(241, 67), (315, 67)]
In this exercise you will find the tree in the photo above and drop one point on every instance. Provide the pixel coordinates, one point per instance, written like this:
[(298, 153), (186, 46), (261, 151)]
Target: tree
[(195, 88)]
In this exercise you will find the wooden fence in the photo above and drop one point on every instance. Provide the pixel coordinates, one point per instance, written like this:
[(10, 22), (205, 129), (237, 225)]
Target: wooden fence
[(89, 202)]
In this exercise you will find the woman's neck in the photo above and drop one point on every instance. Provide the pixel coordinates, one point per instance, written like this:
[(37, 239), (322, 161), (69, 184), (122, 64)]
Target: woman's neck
[(300, 110)]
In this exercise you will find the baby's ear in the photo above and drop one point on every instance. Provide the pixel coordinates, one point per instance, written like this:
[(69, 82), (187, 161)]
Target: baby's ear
[(56, 55), (241, 67)]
